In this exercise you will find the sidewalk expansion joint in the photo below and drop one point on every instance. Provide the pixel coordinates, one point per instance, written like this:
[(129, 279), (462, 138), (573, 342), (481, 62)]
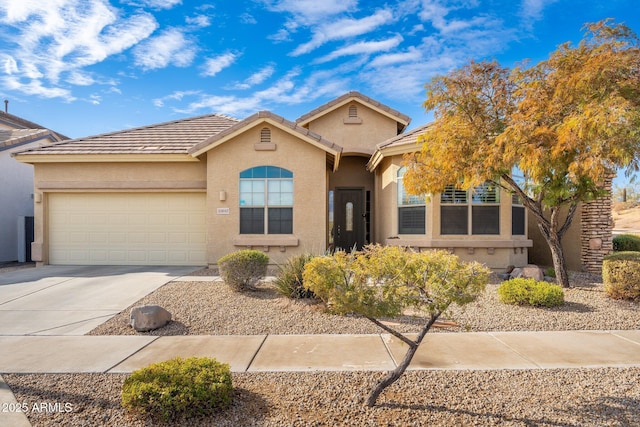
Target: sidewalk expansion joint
[(389, 352), (134, 353), (514, 350), (256, 353)]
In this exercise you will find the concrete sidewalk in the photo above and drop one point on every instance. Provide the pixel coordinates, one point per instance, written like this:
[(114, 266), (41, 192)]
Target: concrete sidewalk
[(259, 353), (300, 353)]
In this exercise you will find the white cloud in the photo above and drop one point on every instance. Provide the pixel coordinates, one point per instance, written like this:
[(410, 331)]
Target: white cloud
[(412, 54), (62, 37), (256, 78), (201, 21), (281, 36), (171, 47), (343, 29), (363, 48), (531, 10), (176, 96), (309, 12), (214, 65), (154, 4), (247, 18)]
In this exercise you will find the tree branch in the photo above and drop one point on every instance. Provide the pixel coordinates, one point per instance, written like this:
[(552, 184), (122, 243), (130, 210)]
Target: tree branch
[(392, 331)]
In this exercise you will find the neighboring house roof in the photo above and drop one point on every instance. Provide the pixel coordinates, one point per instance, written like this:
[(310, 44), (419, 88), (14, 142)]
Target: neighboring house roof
[(20, 123), (402, 119), (333, 151), (401, 144), (175, 137), (11, 138)]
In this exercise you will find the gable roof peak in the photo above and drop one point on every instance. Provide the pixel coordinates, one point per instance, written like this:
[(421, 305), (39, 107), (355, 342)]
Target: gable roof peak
[(402, 119)]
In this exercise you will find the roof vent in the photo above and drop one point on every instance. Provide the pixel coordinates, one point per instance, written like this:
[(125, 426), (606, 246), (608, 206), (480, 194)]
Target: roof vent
[(6, 106)]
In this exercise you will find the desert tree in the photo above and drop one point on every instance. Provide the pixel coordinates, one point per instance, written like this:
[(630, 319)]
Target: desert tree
[(566, 124), (388, 281)]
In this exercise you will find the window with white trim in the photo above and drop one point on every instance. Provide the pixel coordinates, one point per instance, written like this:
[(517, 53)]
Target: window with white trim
[(266, 200), (477, 210), (411, 209)]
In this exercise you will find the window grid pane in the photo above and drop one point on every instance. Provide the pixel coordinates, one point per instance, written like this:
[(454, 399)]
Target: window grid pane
[(452, 195), (411, 220), (454, 220), (265, 186), (486, 194)]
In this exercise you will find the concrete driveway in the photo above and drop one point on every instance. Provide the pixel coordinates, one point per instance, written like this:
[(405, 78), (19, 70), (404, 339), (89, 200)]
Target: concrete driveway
[(72, 300)]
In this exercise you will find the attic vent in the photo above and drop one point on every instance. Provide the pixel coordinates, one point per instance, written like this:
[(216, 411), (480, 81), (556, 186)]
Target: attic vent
[(265, 136), (352, 118), (265, 143)]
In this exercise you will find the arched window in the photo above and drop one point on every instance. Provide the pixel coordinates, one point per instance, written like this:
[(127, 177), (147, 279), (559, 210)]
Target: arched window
[(411, 209), (266, 200)]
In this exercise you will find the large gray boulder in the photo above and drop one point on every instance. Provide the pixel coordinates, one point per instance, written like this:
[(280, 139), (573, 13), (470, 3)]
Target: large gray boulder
[(528, 271), (145, 318)]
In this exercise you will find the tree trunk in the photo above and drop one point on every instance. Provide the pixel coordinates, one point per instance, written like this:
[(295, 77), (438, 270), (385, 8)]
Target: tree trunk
[(557, 255), (397, 373)]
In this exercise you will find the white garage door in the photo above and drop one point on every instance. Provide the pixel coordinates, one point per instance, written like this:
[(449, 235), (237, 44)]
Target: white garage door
[(127, 228)]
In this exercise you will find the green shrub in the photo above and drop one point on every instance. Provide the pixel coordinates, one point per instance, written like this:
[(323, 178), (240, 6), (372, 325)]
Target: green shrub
[(626, 242), (243, 269), (289, 281), (178, 388), (621, 275), (550, 272), (522, 291)]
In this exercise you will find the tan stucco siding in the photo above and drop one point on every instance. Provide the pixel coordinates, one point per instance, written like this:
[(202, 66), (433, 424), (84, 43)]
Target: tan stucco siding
[(308, 164), (355, 136), (163, 176), (541, 254)]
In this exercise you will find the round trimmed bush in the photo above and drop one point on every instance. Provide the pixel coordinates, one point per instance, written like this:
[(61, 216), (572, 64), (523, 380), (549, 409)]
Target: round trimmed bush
[(626, 242), (178, 388), (241, 270), (621, 275), (521, 291)]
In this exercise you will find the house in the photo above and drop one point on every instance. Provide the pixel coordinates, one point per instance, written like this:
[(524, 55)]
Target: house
[(189, 191), (16, 184)]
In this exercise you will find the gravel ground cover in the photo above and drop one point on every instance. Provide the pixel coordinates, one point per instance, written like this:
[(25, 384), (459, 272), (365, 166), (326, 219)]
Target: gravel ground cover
[(579, 397), (210, 308), (560, 397)]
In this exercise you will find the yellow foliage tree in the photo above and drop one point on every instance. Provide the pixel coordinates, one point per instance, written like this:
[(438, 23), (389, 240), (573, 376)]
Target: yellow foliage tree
[(566, 124)]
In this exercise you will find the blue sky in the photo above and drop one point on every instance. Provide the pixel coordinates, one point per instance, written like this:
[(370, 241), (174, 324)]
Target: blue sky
[(84, 67)]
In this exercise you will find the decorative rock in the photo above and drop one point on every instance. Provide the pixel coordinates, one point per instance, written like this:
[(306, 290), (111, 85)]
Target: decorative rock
[(148, 317), (528, 271)]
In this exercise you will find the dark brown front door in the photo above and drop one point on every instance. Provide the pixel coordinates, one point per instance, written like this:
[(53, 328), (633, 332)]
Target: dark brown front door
[(349, 220)]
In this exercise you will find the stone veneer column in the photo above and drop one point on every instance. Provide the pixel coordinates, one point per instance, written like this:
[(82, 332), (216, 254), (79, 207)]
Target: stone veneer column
[(596, 231)]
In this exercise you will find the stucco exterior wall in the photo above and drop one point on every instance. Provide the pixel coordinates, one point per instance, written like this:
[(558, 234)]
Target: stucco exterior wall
[(308, 164), (355, 135), (540, 254), (16, 182)]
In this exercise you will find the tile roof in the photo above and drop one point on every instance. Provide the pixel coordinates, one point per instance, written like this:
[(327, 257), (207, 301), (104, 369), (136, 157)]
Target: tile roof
[(19, 122), (175, 137), (403, 118), (274, 117), (14, 137), (411, 137)]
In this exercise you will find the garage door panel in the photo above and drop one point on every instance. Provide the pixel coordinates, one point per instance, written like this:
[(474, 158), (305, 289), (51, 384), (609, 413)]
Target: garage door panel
[(127, 228)]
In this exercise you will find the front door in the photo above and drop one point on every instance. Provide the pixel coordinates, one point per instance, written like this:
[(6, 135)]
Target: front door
[(349, 220)]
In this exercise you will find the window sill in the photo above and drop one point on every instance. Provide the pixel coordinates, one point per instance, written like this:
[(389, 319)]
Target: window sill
[(266, 240), (352, 121), (264, 146)]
